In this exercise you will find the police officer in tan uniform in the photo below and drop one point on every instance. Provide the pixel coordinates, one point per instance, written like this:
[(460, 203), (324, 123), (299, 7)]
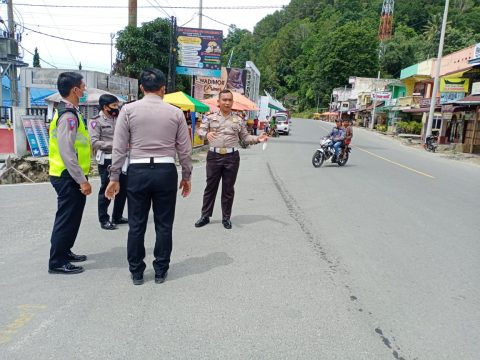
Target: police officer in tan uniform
[(154, 132), (223, 131), (101, 130)]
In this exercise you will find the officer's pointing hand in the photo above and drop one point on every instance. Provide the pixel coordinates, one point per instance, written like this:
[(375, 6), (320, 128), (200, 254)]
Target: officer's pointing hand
[(86, 188), (263, 138), (113, 189), (186, 187), (211, 136)]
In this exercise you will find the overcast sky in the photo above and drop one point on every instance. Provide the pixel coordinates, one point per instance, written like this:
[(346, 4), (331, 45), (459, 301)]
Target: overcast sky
[(96, 25)]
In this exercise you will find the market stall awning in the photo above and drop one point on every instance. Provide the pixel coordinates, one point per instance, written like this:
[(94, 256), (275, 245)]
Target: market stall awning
[(240, 103), (329, 113), (93, 94), (185, 102)]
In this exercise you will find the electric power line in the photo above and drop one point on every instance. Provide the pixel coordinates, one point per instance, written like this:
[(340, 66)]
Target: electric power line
[(221, 23), (46, 62), (161, 8), (193, 17), (65, 39), (241, 7)]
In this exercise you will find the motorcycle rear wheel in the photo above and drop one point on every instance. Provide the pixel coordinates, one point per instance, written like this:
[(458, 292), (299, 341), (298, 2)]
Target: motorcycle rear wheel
[(343, 160), (317, 159)]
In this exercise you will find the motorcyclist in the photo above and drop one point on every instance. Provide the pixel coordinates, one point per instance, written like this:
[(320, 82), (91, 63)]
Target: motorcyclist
[(347, 126), (338, 136)]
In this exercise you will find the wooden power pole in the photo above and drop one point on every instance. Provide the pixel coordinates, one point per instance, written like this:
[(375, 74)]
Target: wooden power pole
[(132, 13)]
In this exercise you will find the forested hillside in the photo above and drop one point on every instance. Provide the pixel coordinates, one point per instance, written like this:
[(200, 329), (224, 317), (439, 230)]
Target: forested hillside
[(312, 46)]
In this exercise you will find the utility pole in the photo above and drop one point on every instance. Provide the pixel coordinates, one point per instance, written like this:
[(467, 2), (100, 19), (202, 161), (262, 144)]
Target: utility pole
[(132, 13), (200, 14), (172, 58), (112, 36), (12, 72), (437, 72), (11, 22)]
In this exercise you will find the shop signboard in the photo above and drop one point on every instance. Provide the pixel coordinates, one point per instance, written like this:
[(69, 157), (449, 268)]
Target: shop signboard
[(476, 54), (199, 51), (382, 96), (37, 135), (232, 79), (447, 97), (476, 88), (449, 85)]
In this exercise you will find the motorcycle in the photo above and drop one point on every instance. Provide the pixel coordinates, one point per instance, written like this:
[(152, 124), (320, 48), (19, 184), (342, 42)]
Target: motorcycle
[(431, 143), (327, 151)]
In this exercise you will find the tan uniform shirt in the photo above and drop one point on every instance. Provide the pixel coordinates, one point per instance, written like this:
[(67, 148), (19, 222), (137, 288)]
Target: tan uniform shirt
[(229, 130), (101, 131), (152, 128)]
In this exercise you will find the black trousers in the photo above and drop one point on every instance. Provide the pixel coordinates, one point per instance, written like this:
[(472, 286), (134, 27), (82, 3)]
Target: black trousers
[(120, 198), (151, 185), (70, 205), (224, 167)]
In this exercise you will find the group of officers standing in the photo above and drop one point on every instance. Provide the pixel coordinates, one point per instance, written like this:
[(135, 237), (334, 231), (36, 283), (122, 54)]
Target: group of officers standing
[(135, 149)]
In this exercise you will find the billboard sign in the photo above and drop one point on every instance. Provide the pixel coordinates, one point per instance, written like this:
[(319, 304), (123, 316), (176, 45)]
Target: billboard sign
[(454, 85), (37, 135), (199, 51), (232, 79)]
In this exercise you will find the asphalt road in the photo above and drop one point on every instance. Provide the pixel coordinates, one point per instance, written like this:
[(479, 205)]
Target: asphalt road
[(375, 260)]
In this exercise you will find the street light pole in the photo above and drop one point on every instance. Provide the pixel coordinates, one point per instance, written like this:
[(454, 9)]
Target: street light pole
[(436, 82), (200, 14), (372, 123)]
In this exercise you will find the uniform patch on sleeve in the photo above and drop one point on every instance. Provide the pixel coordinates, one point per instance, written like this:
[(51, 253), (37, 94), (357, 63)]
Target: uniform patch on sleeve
[(72, 123), (93, 124)]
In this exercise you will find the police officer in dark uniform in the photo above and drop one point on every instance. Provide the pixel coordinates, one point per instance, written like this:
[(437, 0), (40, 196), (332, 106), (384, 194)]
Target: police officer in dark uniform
[(101, 129), (223, 130), (155, 132), (69, 165)]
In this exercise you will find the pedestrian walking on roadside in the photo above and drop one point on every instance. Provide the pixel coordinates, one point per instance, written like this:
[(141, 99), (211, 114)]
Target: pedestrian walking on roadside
[(69, 165), (255, 126), (101, 129), (155, 132), (223, 131)]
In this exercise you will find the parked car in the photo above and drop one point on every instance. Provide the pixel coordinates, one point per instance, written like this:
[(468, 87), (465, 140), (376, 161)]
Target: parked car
[(283, 123)]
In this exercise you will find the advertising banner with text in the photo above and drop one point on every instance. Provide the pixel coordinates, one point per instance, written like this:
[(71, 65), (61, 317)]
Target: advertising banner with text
[(231, 78), (199, 51)]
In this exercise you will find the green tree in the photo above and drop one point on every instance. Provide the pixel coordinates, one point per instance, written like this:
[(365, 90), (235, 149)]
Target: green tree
[(143, 47), (36, 59), (237, 45)]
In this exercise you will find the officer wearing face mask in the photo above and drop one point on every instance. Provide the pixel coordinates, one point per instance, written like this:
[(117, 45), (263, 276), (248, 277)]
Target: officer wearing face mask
[(101, 129)]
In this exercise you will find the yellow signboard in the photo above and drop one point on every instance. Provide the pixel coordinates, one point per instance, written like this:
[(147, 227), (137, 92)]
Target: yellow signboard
[(454, 85)]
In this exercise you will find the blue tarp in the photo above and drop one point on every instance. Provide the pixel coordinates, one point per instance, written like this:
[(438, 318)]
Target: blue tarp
[(37, 95)]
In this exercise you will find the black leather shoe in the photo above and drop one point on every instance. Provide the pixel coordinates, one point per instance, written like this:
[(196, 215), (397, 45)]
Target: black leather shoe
[(137, 279), (227, 224), (202, 221), (76, 258), (107, 225), (67, 269), (120, 221), (160, 278)]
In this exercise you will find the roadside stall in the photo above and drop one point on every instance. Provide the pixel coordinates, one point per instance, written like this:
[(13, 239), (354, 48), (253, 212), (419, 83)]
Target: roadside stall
[(188, 103)]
